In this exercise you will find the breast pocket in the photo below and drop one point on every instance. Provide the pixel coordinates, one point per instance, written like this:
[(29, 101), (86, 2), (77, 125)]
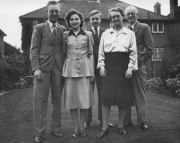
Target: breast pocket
[(83, 40)]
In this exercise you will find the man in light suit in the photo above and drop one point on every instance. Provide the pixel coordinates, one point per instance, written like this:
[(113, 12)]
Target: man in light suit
[(145, 45), (95, 20), (47, 63)]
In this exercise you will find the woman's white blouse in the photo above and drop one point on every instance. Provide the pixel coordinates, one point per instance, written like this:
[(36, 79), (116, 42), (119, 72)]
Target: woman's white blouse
[(123, 41)]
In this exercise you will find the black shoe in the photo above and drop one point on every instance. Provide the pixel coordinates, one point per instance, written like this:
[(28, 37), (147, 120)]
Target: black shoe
[(121, 131), (82, 133), (56, 134), (87, 125), (144, 126), (102, 133), (75, 134), (38, 139), (128, 124)]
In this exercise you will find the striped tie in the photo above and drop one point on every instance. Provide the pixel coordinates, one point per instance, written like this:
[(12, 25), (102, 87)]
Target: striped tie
[(54, 30)]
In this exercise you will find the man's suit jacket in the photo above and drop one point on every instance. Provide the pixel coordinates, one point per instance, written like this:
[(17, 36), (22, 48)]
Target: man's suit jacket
[(96, 46), (144, 41), (45, 49)]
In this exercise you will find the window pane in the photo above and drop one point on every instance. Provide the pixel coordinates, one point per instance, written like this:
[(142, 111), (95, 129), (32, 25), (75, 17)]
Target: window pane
[(155, 56), (155, 49), (161, 27), (155, 26)]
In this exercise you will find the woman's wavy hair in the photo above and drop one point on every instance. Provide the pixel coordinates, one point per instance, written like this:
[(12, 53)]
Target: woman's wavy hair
[(116, 9), (72, 12)]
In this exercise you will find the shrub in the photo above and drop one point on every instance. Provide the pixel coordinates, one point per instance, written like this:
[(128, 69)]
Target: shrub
[(155, 85), (15, 72)]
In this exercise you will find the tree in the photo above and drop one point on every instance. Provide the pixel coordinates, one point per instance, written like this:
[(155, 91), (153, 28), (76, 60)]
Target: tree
[(10, 50)]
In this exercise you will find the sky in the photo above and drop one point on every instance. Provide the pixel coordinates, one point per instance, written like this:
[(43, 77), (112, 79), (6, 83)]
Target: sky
[(10, 10)]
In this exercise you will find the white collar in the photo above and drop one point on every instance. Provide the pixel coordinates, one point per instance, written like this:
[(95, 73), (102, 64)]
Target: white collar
[(98, 28), (132, 26), (51, 24), (123, 30)]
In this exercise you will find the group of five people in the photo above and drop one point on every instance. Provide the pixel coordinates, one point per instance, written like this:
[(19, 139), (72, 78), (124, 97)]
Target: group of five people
[(72, 61)]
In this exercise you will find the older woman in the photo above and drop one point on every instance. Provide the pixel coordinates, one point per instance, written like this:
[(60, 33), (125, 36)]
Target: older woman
[(117, 60), (78, 71)]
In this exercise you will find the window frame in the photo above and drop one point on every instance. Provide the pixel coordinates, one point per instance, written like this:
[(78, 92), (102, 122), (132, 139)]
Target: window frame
[(158, 51), (157, 27)]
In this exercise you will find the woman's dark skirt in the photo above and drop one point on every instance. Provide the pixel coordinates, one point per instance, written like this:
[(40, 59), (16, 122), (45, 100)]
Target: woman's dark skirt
[(116, 89)]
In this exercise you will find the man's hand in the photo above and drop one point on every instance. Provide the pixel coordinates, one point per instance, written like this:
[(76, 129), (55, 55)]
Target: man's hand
[(128, 73), (38, 74), (103, 72)]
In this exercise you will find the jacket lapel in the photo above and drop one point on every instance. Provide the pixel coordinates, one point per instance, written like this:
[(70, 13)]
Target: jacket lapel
[(48, 32), (136, 27), (92, 31), (100, 33)]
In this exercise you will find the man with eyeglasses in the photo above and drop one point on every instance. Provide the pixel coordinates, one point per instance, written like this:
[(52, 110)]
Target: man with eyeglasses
[(47, 62), (145, 45)]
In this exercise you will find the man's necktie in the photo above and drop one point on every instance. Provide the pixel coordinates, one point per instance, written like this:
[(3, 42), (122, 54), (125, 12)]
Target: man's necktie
[(95, 34), (131, 28), (54, 30)]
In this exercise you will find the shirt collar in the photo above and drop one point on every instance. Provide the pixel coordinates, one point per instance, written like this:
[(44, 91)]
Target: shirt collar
[(98, 28), (133, 24), (81, 32), (123, 31), (51, 24)]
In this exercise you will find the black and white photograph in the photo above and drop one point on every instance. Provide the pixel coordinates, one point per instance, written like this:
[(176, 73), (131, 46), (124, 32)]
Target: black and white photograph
[(90, 71)]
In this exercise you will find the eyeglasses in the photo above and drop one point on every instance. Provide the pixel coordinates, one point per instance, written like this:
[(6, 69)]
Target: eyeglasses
[(130, 13)]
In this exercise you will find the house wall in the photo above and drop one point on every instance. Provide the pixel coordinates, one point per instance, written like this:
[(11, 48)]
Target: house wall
[(1, 44), (161, 39), (175, 34)]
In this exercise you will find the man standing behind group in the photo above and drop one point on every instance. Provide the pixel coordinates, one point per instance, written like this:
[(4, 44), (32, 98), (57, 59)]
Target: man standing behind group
[(95, 20), (145, 45), (47, 63)]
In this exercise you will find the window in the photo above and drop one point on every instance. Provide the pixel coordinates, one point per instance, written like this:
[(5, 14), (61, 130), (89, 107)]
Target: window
[(157, 54), (157, 27)]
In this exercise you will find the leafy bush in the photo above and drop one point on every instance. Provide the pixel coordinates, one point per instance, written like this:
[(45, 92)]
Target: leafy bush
[(15, 72), (170, 86), (155, 85), (10, 50), (173, 85)]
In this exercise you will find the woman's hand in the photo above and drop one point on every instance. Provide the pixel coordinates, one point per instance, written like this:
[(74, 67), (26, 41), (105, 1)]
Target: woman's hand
[(128, 73), (103, 72)]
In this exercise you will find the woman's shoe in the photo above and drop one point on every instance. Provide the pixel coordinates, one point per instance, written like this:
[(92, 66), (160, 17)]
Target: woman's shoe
[(82, 133), (38, 139), (121, 131), (75, 134), (102, 133)]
